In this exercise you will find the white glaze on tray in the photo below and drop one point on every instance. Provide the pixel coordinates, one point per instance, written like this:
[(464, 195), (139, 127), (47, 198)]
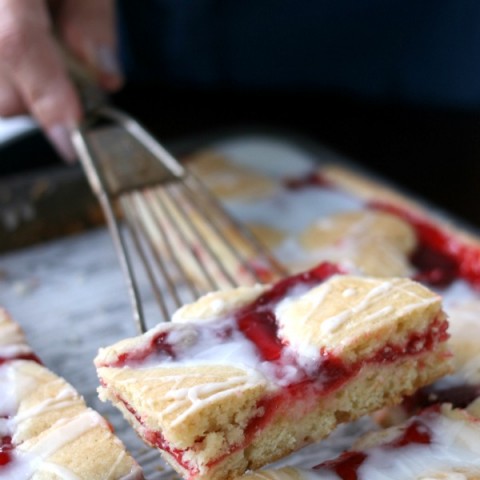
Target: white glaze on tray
[(294, 210)]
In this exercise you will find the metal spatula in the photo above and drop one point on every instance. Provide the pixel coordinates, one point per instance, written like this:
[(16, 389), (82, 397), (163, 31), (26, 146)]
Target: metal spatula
[(186, 241)]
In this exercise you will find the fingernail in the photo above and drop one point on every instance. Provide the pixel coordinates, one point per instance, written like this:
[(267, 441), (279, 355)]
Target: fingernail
[(59, 135), (105, 62), (108, 62)]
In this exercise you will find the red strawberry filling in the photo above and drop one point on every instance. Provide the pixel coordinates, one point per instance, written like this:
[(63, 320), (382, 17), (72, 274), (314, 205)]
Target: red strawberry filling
[(22, 356), (6, 448), (331, 375), (440, 257), (460, 396)]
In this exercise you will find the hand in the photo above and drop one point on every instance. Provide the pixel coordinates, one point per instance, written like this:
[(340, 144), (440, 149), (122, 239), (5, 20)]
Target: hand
[(33, 77)]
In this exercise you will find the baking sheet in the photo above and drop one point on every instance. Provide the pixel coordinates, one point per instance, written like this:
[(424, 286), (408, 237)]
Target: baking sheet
[(70, 297)]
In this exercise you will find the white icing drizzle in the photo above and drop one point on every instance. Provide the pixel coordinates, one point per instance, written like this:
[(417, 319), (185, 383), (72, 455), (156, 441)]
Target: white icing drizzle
[(64, 432), (6, 426), (65, 398), (33, 455), (66, 474), (135, 474), (348, 292), (237, 352), (454, 445), (15, 387), (29, 457), (206, 344), (190, 400), (379, 313), (115, 464), (288, 475), (378, 302), (59, 471), (199, 345), (332, 324), (346, 315), (406, 309), (287, 303), (13, 350), (217, 305)]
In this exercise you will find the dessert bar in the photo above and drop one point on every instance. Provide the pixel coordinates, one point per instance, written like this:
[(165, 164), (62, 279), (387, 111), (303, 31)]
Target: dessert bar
[(246, 376), (46, 430)]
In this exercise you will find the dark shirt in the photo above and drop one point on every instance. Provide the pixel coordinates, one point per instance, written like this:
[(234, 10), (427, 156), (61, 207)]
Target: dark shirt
[(412, 51)]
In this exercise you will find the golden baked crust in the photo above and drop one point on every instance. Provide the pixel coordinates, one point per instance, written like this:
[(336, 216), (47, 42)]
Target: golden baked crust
[(459, 248), (373, 225), (11, 336), (228, 180), (198, 387), (287, 473), (369, 242), (358, 315), (462, 388), (370, 190), (53, 433), (217, 304)]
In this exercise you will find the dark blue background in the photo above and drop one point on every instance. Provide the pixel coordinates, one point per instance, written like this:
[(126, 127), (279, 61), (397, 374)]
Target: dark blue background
[(412, 51)]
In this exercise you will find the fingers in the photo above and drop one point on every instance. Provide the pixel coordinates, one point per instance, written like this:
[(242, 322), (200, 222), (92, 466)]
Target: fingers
[(88, 28), (10, 101), (33, 75), (29, 55)]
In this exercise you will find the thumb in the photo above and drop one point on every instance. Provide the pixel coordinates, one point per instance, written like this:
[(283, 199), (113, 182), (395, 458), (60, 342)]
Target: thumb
[(88, 29), (35, 74)]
